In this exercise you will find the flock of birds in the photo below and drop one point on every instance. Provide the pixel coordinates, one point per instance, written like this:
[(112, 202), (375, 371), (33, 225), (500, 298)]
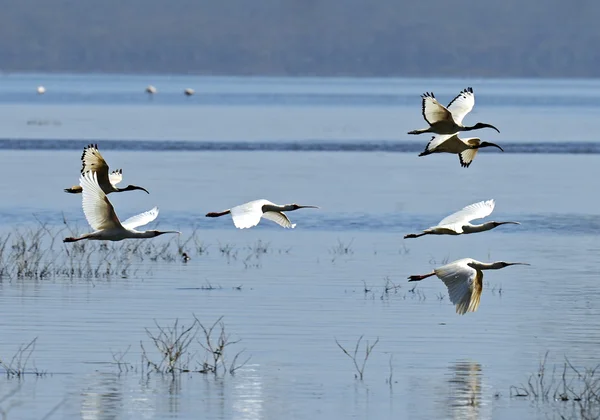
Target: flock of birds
[(463, 278), (150, 90)]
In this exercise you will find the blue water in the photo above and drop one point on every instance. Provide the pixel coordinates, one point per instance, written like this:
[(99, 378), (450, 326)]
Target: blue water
[(339, 144)]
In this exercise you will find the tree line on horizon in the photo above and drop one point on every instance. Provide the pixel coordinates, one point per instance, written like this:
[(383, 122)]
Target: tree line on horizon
[(429, 38)]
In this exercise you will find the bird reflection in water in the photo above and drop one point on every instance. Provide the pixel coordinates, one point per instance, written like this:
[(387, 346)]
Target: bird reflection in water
[(465, 392)]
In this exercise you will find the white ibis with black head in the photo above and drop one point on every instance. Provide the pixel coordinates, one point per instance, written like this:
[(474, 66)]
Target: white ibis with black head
[(249, 214), (92, 160), (466, 149), (464, 280), (101, 216), (444, 120), (459, 223)]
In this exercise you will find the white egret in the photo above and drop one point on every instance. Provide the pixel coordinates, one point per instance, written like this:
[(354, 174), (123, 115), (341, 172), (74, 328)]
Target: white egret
[(92, 160), (101, 216), (466, 149), (459, 223), (444, 120), (249, 214), (464, 280)]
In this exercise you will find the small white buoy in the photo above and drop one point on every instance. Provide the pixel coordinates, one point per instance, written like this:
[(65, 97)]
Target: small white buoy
[(189, 92), (151, 90), (41, 90)]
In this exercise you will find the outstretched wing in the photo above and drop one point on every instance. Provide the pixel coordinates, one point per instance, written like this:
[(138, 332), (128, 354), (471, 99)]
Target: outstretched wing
[(141, 219), (280, 218), (115, 177), (98, 211), (93, 161), (247, 215), (433, 111), (437, 140), (462, 104), (471, 212), (463, 283)]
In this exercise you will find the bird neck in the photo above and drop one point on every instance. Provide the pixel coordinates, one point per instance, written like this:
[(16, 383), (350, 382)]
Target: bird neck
[(486, 266), (276, 208), (479, 228), (132, 233)]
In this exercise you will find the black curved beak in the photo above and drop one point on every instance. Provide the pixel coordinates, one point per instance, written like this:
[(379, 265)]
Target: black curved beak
[(143, 189), (490, 126), (518, 263), (487, 143), (308, 207)]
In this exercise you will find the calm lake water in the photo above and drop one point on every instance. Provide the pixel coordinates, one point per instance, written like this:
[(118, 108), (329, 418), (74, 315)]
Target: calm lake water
[(289, 294)]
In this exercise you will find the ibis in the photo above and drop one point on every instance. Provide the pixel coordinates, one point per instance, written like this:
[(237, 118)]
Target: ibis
[(249, 214), (151, 90), (41, 90), (189, 92), (466, 149), (464, 280), (448, 120), (92, 160), (459, 223), (101, 216)]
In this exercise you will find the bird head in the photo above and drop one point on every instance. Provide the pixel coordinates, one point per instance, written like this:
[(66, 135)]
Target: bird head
[(488, 144), (298, 206), (133, 187), (504, 223), (484, 125), (506, 264)]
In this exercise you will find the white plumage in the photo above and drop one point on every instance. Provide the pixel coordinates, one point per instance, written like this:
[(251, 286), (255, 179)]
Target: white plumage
[(459, 223), (101, 216), (464, 280), (248, 215), (448, 120)]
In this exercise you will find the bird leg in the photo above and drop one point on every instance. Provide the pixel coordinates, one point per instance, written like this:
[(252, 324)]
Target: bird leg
[(217, 214), (76, 189), (71, 239), (419, 131), (414, 235), (421, 277)]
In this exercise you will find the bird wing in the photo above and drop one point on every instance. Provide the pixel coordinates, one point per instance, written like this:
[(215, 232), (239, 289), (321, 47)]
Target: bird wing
[(466, 157), (462, 104), (433, 111), (248, 215), (115, 177), (464, 285), (92, 160), (141, 219), (437, 140), (471, 212), (280, 218), (98, 211)]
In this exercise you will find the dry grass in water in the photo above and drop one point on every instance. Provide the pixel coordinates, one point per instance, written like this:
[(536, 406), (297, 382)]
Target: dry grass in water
[(576, 390), (360, 368), (17, 366), (177, 352), (39, 254)]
